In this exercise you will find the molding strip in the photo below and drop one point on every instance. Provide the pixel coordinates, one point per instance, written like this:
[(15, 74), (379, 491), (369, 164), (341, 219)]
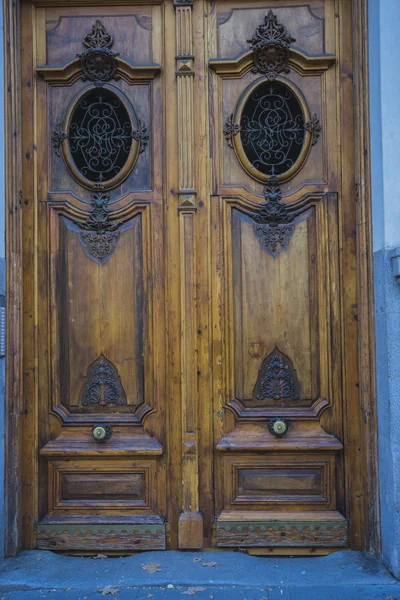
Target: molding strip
[(190, 521)]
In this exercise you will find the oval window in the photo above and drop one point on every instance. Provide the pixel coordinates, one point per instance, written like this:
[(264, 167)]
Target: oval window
[(272, 138), (100, 136)]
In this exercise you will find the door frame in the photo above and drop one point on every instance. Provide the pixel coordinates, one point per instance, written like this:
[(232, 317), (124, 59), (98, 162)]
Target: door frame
[(15, 410)]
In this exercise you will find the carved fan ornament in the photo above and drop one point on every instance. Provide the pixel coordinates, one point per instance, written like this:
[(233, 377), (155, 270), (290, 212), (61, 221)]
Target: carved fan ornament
[(102, 385), (277, 379), (274, 225), (270, 45)]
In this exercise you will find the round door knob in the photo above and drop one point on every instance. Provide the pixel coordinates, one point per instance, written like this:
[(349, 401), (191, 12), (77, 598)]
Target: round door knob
[(278, 427), (101, 433)]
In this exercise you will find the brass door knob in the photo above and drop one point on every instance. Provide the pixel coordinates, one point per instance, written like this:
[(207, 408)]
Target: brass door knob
[(101, 433), (278, 426)]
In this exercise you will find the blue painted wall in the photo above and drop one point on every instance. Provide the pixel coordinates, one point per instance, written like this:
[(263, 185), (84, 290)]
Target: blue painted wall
[(384, 17)]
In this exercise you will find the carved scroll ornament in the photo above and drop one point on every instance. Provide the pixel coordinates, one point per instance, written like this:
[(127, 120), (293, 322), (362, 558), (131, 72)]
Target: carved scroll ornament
[(274, 225), (270, 44)]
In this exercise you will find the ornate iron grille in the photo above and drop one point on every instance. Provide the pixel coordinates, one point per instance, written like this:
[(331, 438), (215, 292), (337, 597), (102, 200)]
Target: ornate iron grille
[(272, 128), (100, 135)]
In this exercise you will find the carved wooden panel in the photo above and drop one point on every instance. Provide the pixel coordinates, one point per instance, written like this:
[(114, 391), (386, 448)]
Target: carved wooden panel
[(276, 304), (300, 66), (99, 488), (236, 25), (279, 482), (82, 486), (99, 206), (96, 303), (276, 215), (67, 27)]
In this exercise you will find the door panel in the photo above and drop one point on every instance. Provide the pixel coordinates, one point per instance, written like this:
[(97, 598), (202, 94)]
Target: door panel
[(190, 323), (102, 326), (276, 261)]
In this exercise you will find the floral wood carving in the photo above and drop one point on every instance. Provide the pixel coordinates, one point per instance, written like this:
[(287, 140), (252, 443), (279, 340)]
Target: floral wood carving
[(102, 385), (274, 225), (101, 235), (313, 126), (58, 137), (98, 61), (277, 379), (270, 45), (141, 134), (231, 129)]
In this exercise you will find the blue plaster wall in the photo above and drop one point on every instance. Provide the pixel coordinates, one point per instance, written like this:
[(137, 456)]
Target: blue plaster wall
[(384, 18)]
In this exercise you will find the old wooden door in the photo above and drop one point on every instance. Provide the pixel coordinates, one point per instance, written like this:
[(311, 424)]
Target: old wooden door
[(190, 325)]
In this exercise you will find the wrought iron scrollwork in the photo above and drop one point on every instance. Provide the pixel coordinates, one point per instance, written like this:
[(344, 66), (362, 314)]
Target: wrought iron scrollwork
[(270, 45), (272, 128), (101, 235), (274, 226), (277, 379), (100, 135), (98, 61), (102, 385)]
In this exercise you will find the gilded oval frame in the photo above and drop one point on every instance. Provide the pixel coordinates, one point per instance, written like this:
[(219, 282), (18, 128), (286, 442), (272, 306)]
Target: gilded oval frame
[(134, 150), (237, 141)]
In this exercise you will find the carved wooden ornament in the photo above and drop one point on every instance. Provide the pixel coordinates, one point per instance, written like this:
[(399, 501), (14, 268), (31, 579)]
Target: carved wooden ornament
[(98, 61), (274, 224), (270, 44), (277, 379), (102, 385), (101, 235)]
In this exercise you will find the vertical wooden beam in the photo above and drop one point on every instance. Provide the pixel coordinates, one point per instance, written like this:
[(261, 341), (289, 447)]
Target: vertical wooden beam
[(190, 532), (13, 191), (365, 284)]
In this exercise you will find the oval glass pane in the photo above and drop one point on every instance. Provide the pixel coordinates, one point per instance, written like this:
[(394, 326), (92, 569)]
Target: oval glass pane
[(272, 128), (100, 135)]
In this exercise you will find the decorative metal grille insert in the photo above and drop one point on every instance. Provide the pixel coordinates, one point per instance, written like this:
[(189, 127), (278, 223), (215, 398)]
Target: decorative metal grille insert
[(100, 135), (272, 128)]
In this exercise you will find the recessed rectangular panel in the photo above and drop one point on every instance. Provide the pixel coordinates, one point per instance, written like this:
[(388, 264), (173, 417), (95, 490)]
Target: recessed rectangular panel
[(102, 313), (275, 307), (292, 482), (103, 487), (66, 29), (237, 23), (273, 483)]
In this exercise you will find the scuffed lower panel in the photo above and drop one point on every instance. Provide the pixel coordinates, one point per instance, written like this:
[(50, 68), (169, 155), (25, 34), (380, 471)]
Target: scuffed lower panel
[(287, 533), (101, 537)]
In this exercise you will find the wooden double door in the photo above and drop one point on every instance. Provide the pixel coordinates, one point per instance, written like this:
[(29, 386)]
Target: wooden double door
[(190, 352)]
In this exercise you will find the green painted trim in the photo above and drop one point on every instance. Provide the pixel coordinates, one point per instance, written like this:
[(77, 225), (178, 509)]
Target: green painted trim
[(100, 529), (251, 526)]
